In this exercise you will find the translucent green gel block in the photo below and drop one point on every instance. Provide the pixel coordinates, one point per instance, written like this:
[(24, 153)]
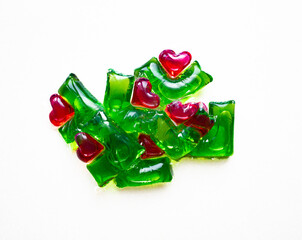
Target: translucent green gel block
[(176, 141), (219, 140), (73, 88), (118, 92), (187, 83), (75, 93), (146, 172), (102, 170)]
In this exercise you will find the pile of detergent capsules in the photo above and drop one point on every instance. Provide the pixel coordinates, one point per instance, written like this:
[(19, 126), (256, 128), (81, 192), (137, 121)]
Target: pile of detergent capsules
[(145, 121)]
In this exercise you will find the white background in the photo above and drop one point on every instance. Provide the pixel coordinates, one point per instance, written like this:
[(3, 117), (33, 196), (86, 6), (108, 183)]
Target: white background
[(252, 49)]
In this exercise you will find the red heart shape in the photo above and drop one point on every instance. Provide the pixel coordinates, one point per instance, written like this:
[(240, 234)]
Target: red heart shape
[(201, 120), (142, 95), (88, 148), (61, 110), (180, 113), (174, 63), (151, 149)]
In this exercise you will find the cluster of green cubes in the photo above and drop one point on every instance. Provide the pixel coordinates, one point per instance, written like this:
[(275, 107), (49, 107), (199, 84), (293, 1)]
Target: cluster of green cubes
[(116, 124)]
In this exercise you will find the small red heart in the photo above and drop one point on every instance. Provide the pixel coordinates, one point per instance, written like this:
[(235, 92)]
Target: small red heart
[(174, 63), (88, 148), (201, 120), (151, 149), (180, 113), (142, 95), (61, 110)]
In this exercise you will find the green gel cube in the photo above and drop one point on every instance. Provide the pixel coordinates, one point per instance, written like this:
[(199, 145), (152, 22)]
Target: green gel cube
[(146, 172), (188, 82), (219, 142)]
